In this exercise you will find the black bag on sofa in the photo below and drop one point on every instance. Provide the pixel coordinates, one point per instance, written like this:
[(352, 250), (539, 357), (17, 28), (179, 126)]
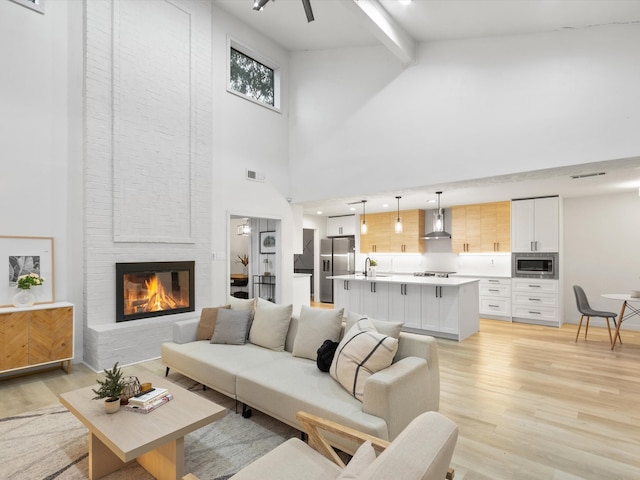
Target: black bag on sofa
[(325, 355)]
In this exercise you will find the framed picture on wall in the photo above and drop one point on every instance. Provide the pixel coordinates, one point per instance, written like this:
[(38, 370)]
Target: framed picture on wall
[(267, 242), (37, 5), (23, 256)]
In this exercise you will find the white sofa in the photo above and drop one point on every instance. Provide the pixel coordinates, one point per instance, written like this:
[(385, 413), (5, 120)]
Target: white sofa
[(280, 384)]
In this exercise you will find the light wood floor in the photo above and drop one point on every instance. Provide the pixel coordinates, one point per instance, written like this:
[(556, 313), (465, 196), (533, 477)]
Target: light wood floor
[(530, 403)]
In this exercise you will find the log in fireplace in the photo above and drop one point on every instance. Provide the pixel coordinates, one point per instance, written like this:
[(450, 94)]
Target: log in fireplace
[(151, 289)]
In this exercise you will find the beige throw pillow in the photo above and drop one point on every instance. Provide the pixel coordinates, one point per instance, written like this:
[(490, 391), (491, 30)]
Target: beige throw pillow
[(314, 327), (362, 352), (207, 322), (385, 327), (243, 304), (270, 325)]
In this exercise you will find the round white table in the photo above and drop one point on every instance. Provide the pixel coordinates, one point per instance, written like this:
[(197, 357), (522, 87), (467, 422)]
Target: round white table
[(633, 310)]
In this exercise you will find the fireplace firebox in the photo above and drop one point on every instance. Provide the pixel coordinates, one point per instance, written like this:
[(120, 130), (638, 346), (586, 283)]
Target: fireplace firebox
[(151, 289)]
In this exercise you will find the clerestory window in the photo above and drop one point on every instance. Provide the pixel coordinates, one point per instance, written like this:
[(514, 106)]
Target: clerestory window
[(253, 77)]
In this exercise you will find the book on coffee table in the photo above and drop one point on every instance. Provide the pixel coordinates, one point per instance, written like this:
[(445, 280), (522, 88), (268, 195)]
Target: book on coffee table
[(148, 397), (149, 407)]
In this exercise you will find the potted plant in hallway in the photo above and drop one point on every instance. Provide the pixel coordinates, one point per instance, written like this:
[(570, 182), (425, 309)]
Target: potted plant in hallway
[(110, 389)]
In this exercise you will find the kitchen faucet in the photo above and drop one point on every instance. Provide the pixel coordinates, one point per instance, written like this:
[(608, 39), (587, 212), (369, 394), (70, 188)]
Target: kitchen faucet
[(366, 270)]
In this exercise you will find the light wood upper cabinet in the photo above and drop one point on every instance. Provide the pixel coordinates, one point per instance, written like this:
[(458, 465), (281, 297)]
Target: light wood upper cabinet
[(465, 229), (481, 228), (381, 236), (377, 237), (412, 229)]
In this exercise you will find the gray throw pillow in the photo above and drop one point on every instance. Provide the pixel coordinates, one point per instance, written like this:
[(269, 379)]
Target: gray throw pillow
[(231, 326)]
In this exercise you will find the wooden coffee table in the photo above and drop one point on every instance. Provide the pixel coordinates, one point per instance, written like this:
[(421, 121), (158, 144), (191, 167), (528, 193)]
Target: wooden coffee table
[(155, 439)]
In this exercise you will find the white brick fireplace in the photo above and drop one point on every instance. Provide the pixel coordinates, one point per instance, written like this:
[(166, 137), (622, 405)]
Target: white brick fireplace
[(147, 163)]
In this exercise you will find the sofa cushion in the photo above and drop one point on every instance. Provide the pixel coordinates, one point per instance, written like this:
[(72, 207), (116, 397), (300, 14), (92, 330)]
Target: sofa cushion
[(364, 456), (231, 327), (243, 304), (392, 329), (292, 459), (216, 365), (270, 325), (315, 326), (207, 322), (289, 384), (362, 352)]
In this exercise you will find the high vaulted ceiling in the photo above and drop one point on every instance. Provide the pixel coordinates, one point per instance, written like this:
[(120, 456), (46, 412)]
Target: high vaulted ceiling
[(338, 24)]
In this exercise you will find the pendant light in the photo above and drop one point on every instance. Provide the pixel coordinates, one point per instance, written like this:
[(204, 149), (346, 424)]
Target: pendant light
[(244, 229), (398, 221), (363, 227)]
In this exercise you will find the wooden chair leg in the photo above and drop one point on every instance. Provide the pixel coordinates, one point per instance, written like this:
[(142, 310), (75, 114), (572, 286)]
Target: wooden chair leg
[(450, 474), (579, 327), (586, 328)]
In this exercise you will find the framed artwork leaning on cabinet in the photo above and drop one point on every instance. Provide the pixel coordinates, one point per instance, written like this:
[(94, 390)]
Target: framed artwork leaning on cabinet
[(23, 256)]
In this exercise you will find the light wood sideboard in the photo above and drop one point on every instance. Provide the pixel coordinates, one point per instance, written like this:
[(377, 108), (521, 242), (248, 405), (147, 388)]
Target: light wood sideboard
[(37, 335)]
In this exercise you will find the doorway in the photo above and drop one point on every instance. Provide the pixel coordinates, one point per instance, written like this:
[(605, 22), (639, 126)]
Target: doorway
[(254, 257)]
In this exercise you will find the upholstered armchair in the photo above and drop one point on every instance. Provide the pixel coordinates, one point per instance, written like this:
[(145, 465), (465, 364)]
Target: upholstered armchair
[(422, 451)]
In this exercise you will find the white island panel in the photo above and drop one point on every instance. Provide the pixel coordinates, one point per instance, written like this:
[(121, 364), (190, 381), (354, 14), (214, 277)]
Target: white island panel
[(442, 307)]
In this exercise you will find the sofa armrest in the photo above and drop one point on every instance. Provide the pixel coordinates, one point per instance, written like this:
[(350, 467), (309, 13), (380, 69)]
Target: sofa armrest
[(184, 331), (400, 393)]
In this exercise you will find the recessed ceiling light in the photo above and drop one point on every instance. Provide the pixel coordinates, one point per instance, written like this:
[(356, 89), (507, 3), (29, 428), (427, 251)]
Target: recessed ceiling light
[(404, 2), (353, 209), (385, 205), (319, 212)]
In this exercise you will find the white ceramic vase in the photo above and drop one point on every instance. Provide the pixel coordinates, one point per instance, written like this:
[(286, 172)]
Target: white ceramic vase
[(24, 298)]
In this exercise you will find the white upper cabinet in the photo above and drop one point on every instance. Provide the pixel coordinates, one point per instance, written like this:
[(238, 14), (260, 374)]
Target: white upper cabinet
[(535, 225), (341, 226)]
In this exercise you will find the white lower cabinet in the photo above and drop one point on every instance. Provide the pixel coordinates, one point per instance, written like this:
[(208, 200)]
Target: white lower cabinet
[(348, 295), (405, 304), (535, 301), (375, 300), (495, 298), (440, 309)]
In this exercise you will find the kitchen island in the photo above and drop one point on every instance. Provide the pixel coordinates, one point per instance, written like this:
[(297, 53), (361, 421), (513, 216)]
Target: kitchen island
[(442, 307)]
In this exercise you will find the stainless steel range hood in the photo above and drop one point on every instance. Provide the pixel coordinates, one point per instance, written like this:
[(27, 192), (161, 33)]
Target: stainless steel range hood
[(438, 224)]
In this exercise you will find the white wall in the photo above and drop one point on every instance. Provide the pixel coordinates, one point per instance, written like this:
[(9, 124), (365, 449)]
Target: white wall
[(468, 109), (246, 135), (601, 239), (40, 136)]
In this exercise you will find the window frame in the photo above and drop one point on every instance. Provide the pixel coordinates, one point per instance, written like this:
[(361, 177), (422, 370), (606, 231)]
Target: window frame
[(258, 57)]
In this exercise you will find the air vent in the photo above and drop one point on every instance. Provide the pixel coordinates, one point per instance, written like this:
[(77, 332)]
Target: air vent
[(585, 175), (255, 176)]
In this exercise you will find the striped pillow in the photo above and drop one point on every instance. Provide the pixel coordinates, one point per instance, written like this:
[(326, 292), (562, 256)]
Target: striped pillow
[(361, 352)]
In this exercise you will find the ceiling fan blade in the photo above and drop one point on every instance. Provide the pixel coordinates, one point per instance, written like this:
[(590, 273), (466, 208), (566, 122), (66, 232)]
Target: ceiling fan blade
[(307, 10)]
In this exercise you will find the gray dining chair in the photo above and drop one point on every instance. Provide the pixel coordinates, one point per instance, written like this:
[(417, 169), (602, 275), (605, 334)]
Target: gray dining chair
[(586, 311)]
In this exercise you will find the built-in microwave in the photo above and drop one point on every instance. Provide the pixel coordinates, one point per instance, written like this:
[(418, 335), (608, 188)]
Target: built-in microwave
[(534, 265)]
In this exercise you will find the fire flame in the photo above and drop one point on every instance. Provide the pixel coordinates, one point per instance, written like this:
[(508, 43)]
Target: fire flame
[(151, 298)]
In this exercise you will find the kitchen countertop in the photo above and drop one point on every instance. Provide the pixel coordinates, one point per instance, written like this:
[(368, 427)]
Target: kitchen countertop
[(479, 275), (390, 278)]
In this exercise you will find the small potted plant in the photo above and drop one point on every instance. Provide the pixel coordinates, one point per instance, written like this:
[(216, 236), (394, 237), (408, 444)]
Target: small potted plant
[(110, 389), (24, 297), (372, 268)]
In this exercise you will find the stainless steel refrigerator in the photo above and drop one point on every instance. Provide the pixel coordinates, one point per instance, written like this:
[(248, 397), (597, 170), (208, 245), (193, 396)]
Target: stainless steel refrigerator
[(337, 257)]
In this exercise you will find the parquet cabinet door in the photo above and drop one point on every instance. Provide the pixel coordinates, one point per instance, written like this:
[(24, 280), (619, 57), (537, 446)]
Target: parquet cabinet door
[(50, 335), (14, 337)]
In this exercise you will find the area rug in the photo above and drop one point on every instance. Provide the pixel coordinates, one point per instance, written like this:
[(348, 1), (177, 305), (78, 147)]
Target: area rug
[(51, 443)]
